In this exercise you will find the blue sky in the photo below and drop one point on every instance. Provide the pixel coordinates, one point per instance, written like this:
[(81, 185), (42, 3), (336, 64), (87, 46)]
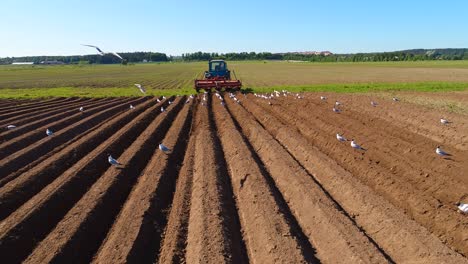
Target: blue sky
[(53, 27)]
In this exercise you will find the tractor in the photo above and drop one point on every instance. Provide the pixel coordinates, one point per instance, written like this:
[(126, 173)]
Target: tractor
[(217, 77)]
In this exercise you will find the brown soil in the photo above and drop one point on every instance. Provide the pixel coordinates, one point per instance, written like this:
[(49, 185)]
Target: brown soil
[(248, 182)]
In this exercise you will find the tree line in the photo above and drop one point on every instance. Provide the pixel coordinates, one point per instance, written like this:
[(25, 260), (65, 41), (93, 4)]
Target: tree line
[(129, 57), (134, 57)]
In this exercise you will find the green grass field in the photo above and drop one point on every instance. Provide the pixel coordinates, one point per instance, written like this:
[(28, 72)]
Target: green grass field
[(177, 78)]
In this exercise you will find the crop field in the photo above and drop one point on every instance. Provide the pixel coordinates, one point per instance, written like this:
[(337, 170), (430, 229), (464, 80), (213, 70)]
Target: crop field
[(260, 181), (177, 78)]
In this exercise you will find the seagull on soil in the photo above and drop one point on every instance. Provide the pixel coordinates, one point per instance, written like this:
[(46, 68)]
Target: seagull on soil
[(157, 100), (113, 161), (395, 99), (164, 148), (11, 127), (142, 89), (81, 109), (355, 145), (132, 107), (444, 121), (440, 152), (336, 110), (162, 109), (340, 138), (49, 132), (462, 208), (374, 104), (323, 98), (170, 102), (102, 53), (337, 103)]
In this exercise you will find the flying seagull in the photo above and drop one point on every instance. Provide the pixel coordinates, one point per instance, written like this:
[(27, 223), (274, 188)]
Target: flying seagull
[(355, 145), (462, 208), (164, 148), (340, 138), (113, 161), (102, 53), (49, 132), (440, 152), (142, 89), (11, 127)]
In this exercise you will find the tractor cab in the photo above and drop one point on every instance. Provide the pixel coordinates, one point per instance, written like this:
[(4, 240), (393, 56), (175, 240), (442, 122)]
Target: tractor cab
[(218, 68)]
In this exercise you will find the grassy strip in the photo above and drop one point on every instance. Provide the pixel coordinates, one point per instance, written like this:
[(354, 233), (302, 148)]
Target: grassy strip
[(25, 93)]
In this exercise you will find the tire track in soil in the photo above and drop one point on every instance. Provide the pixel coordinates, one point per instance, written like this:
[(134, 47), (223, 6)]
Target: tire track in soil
[(80, 233), (214, 234), (135, 236), (65, 191), (427, 206), (9, 147), (46, 106), (26, 185), (269, 238), (327, 228), (28, 124), (43, 148), (387, 225)]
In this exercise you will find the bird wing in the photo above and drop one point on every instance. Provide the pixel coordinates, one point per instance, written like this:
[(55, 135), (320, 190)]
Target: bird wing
[(96, 47), (117, 55)]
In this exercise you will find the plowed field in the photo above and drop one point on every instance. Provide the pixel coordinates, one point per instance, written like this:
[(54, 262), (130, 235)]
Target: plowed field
[(248, 182)]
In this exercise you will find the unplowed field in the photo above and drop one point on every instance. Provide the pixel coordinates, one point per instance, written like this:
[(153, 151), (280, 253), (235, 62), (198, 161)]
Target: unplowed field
[(260, 181)]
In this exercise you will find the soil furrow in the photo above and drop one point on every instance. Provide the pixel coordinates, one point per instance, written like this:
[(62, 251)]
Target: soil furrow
[(9, 147), (387, 225), (27, 105), (269, 238), (80, 233), (211, 231), (16, 192), (61, 195), (431, 207), (175, 235), (60, 138), (45, 106), (328, 229), (136, 234), (25, 125)]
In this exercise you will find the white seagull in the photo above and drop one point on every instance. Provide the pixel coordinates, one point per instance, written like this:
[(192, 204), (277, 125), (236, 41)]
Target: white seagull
[(374, 104), (113, 161), (356, 146), (102, 53), (170, 102), (323, 98), (164, 148), (395, 99), (81, 109), (337, 103), (440, 152), (132, 107), (162, 109), (49, 132), (340, 138), (336, 110), (462, 208), (11, 127), (142, 89), (444, 121)]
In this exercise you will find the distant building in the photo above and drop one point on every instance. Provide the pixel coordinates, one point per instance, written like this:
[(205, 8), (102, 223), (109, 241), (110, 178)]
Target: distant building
[(23, 63), (52, 62)]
